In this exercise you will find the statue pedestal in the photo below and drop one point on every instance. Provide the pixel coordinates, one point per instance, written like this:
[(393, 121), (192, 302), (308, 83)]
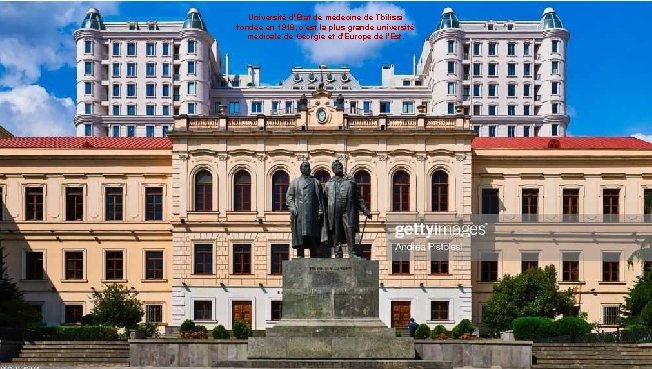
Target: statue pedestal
[(330, 311)]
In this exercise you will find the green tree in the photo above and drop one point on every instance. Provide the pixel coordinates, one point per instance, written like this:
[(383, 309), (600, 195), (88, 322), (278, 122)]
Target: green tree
[(14, 311), (638, 303), (117, 306), (532, 293)]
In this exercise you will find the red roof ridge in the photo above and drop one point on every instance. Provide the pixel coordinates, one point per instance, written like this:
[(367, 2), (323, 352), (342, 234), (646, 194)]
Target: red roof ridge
[(68, 142)]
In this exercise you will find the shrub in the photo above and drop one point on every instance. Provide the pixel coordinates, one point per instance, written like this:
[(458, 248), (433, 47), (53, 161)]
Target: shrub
[(187, 326), (463, 327), (149, 329), (439, 333), (572, 326), (531, 327), (241, 330), (220, 333), (422, 332), (72, 333), (117, 306), (190, 330), (88, 319)]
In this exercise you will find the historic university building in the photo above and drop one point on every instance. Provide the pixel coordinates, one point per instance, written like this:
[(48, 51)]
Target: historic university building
[(175, 185)]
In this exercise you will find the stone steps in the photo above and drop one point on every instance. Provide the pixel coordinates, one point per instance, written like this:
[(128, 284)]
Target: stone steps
[(591, 356), (74, 353), (335, 364)]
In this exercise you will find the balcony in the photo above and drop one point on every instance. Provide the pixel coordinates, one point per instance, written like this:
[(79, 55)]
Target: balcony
[(466, 97), (175, 77), (537, 77), (465, 77), (175, 56), (176, 97), (537, 98)]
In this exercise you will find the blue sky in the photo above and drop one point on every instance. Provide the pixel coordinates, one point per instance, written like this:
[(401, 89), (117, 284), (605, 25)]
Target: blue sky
[(609, 50)]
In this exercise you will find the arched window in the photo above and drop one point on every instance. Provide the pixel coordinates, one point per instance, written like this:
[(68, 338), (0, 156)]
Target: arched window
[(440, 191), (363, 179), (323, 176), (280, 183), (242, 191), (203, 191), (401, 191)]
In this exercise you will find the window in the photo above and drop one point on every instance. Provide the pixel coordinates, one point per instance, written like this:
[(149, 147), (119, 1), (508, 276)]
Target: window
[(88, 47), (34, 203), (439, 310), (191, 67), (74, 203), (166, 70), (489, 267), (116, 131), (192, 47), (647, 203), (451, 88), (115, 69), (555, 46), (116, 49), (493, 69), (363, 179), (203, 310), (74, 265), (511, 49), (610, 315), (34, 265), (385, 107), (131, 69), (511, 90), (526, 130), (73, 313), (570, 267), (555, 67), (150, 90), (257, 107), (88, 68), (401, 191), (166, 49), (511, 131), (476, 129), (277, 310), (149, 110), (492, 49), (234, 107), (242, 191), (451, 46), (492, 111), (526, 49), (555, 129), (153, 265), (451, 67), (203, 259), (289, 107), (610, 197), (570, 208), (477, 48), (490, 201), (116, 92), (153, 202), (526, 111), (529, 204), (192, 107), (408, 106), (477, 69), (241, 259), (529, 260), (450, 108), (493, 88), (113, 203), (511, 69), (280, 253), (400, 261), (88, 129), (88, 88), (537, 129), (150, 69), (610, 266), (526, 90), (166, 90), (131, 90), (364, 251), (150, 49), (366, 107), (166, 112), (439, 191), (555, 88), (192, 90), (477, 90), (555, 108), (114, 269), (511, 110), (131, 130), (323, 176), (131, 48), (527, 70), (280, 183), (203, 191), (153, 313), (492, 129), (439, 259)]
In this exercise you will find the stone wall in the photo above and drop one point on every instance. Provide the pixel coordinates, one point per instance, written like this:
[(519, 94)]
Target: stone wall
[(9, 350), (185, 353), (477, 354)]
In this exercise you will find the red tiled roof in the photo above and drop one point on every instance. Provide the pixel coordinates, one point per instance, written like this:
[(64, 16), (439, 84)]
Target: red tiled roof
[(563, 143), (110, 143)]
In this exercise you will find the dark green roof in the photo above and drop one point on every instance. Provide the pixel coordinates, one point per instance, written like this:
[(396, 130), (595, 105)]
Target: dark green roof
[(93, 20), (194, 20)]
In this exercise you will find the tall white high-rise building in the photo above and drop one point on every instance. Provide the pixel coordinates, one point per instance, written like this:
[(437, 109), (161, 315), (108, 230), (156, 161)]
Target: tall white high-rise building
[(509, 76)]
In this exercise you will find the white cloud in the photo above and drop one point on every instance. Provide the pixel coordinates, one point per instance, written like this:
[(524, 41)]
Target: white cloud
[(38, 35), (32, 111), (351, 51), (643, 137)]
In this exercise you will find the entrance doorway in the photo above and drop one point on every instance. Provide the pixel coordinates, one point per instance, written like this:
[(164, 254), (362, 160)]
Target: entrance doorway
[(400, 314)]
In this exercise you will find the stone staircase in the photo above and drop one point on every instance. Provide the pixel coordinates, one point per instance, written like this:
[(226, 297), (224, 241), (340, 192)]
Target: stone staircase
[(74, 353), (590, 356)]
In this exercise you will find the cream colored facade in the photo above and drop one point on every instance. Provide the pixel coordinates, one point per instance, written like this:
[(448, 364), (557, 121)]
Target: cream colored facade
[(75, 255)]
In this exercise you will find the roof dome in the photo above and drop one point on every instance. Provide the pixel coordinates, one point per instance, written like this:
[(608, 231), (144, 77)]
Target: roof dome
[(550, 20), (93, 20), (194, 20), (448, 20)]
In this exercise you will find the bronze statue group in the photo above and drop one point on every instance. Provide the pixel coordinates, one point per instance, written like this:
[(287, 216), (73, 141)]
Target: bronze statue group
[(325, 219)]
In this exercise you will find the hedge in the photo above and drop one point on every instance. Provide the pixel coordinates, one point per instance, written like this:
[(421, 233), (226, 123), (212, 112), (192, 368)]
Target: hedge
[(531, 327), (72, 333)]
